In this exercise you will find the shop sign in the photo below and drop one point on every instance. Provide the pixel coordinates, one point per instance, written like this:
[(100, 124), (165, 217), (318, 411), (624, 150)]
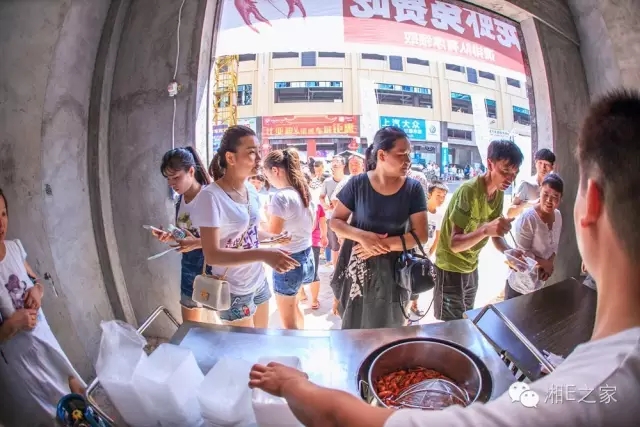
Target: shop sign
[(310, 126), (250, 122), (416, 129)]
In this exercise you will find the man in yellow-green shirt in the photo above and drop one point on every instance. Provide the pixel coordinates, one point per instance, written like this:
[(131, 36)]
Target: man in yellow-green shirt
[(474, 214)]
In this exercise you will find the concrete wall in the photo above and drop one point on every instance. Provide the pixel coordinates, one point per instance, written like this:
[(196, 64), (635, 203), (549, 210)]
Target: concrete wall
[(610, 36), (48, 51)]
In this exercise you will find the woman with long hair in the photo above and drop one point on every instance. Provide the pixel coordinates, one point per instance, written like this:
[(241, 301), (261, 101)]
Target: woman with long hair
[(34, 371), (228, 214), (186, 175), (384, 205), (290, 209)]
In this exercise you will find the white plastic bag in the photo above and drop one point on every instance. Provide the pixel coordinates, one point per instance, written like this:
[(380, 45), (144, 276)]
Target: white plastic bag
[(224, 395), (272, 411), (121, 351)]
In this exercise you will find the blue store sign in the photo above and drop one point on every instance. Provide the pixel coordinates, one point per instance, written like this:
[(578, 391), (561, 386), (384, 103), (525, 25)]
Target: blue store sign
[(416, 129)]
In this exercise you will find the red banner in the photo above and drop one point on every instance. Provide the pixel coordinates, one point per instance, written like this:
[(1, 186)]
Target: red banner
[(314, 126), (436, 26)]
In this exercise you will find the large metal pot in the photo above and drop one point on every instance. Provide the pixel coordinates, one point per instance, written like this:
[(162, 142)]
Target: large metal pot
[(432, 355)]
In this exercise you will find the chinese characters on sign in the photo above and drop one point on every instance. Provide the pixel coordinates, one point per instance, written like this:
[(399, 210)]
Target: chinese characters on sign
[(434, 25), (558, 394), (416, 129), (301, 126)]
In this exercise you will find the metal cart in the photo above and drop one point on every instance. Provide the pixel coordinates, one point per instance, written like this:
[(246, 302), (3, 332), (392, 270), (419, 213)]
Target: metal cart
[(94, 384)]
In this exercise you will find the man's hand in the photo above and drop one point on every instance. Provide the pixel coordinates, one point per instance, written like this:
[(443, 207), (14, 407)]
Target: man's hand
[(274, 377), (498, 227), (545, 267)]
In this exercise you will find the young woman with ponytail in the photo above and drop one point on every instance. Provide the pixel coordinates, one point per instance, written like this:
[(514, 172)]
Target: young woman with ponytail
[(291, 209), (228, 214), (383, 204), (187, 175)]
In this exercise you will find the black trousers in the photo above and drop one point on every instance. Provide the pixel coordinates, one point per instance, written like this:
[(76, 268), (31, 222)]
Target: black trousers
[(454, 293)]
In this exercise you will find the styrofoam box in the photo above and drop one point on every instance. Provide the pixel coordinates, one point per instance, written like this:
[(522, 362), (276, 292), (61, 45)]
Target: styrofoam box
[(224, 395), (272, 411), (170, 378)]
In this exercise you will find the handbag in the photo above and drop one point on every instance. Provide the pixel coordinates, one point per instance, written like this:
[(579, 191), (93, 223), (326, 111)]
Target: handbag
[(213, 291), (415, 273)]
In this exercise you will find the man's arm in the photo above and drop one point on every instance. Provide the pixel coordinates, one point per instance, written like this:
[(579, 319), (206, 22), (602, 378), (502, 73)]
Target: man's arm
[(317, 406), (461, 242)]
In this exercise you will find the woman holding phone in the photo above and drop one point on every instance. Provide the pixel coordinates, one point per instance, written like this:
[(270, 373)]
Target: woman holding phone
[(228, 215), (186, 175)]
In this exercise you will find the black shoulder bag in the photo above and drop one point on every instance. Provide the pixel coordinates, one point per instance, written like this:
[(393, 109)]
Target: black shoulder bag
[(415, 273)]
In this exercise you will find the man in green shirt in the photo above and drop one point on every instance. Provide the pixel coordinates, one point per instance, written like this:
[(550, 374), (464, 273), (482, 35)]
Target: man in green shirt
[(474, 214)]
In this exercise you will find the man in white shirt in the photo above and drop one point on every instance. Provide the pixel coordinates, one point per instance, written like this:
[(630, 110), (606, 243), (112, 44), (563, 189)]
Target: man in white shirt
[(599, 383), (528, 191)]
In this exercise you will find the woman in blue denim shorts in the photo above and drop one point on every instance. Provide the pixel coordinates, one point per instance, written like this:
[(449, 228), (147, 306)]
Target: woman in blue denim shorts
[(187, 175), (228, 214), (290, 209)]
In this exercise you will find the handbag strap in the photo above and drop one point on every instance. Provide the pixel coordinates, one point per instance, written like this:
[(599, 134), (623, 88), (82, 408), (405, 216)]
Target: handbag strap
[(415, 237), (404, 244), (240, 242)]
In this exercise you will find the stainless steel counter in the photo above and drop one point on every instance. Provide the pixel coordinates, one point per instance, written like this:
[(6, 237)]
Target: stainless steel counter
[(332, 358)]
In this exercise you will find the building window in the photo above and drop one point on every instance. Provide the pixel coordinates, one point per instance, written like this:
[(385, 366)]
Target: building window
[(395, 63), (453, 67), (521, 115), (417, 61), (247, 57), (492, 111), (282, 55), (331, 55), (472, 75), (486, 75), (513, 82), (374, 56), (245, 94), (310, 91), (413, 96), (461, 103), (308, 59), (460, 134)]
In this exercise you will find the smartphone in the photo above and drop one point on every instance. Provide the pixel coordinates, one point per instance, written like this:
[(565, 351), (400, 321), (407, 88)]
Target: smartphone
[(177, 233), (152, 228)]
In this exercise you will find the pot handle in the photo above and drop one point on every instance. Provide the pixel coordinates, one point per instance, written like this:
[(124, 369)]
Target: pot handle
[(361, 388)]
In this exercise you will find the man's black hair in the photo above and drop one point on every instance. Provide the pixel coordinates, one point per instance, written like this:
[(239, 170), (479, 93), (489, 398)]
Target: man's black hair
[(554, 182), (437, 183), (608, 152), (504, 149), (546, 155)]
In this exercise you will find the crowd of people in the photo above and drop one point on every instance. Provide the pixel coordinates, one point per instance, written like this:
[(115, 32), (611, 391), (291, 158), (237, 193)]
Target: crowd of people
[(232, 229)]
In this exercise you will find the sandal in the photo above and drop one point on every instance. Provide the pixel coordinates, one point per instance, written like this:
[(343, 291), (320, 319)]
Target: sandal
[(315, 305), (302, 297)]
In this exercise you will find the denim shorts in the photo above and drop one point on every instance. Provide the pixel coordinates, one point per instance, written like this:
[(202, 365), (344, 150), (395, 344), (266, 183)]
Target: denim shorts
[(245, 305), (288, 284), (192, 263)]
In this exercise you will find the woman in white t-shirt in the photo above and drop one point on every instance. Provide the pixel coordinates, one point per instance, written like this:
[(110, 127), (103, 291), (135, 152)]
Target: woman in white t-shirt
[(34, 371), (538, 234), (291, 209), (186, 175), (228, 214)]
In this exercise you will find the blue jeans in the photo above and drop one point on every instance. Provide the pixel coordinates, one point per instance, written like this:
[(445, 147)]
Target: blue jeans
[(288, 284), (245, 305), (192, 263)]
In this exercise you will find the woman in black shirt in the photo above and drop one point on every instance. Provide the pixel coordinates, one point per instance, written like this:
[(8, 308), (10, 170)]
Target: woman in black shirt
[(384, 204)]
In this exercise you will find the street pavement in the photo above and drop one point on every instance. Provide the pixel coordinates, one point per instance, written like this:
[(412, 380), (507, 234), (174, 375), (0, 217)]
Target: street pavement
[(492, 276)]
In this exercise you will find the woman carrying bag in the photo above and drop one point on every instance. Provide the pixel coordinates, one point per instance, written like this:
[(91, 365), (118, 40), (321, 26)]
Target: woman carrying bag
[(384, 204), (228, 214)]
